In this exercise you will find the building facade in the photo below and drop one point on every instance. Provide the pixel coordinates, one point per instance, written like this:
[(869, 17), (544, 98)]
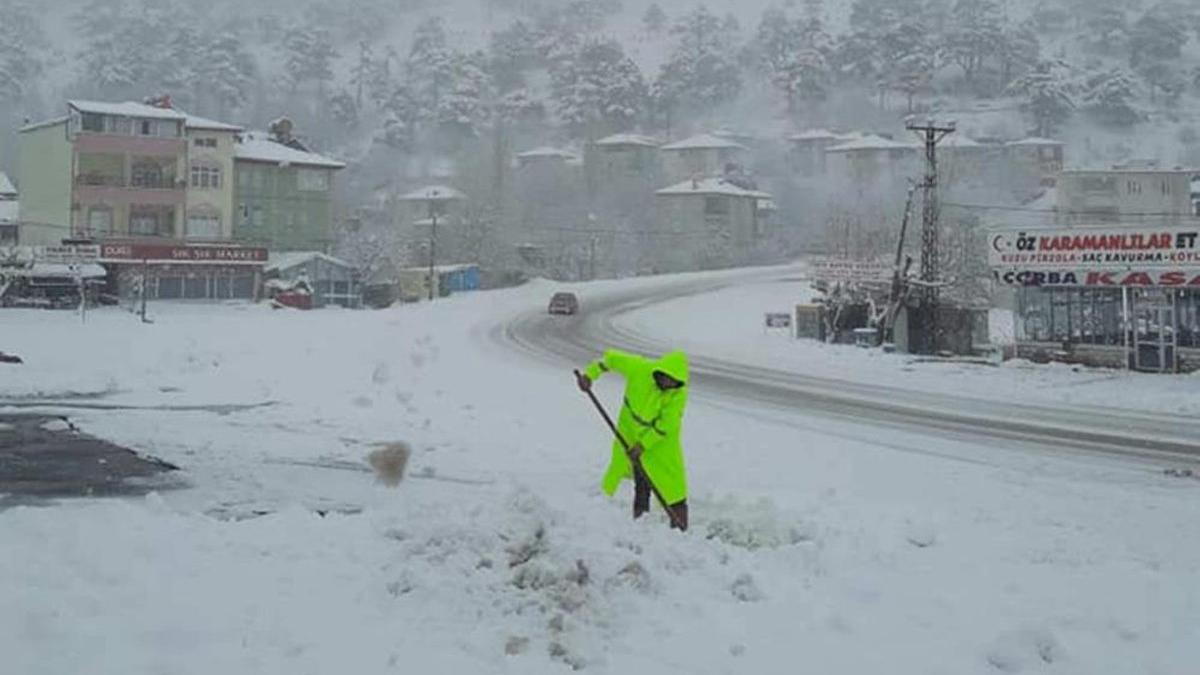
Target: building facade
[(210, 175), (283, 193), (708, 224), (1114, 195)]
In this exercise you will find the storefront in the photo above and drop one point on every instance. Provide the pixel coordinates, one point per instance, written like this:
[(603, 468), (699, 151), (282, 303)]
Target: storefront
[(183, 271), (1113, 296)]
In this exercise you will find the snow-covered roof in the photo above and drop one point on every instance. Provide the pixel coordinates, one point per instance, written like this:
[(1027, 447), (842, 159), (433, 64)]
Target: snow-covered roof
[(627, 139), (194, 122), (871, 142), (433, 193), (960, 141), (814, 135), (257, 146), (703, 142), (127, 109), (53, 121), (282, 261), (545, 152), (45, 269), (6, 186), (711, 186), (1035, 141)]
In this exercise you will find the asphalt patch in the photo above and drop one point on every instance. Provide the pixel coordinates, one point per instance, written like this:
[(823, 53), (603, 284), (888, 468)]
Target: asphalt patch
[(45, 457)]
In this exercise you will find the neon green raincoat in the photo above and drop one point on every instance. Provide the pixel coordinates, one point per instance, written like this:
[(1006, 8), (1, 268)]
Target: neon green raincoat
[(649, 416)]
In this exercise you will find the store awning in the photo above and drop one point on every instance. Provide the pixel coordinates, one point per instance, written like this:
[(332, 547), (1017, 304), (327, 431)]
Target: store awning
[(45, 269)]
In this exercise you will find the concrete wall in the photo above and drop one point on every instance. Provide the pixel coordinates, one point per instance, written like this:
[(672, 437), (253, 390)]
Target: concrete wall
[(1124, 192), (686, 237), (45, 179), (219, 201)]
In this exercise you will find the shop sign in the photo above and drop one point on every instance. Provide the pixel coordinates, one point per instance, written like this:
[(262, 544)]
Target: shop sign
[(845, 270), (168, 253), (1095, 248), (67, 255), (1135, 278)]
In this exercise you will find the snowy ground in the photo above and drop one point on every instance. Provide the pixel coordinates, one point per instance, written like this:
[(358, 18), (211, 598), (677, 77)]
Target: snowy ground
[(815, 545)]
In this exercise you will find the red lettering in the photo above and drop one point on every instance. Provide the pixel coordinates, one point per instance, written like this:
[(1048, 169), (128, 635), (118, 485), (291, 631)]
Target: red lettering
[(1172, 279), (1100, 279), (1137, 279)]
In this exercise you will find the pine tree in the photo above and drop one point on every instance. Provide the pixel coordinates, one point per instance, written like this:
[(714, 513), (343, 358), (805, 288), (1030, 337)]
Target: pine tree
[(22, 40), (701, 70), (1048, 97), (228, 72), (343, 109), (513, 51), (1105, 26), (308, 56), (362, 71), (1020, 50), (1110, 97), (654, 21), (600, 89), (461, 109), (975, 35), (791, 52), (429, 68), (1156, 45)]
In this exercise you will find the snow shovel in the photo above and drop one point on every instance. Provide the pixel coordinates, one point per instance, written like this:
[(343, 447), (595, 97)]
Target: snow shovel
[(636, 463)]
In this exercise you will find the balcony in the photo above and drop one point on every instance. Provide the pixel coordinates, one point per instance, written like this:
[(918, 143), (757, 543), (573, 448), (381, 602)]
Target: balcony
[(102, 180), (150, 146)]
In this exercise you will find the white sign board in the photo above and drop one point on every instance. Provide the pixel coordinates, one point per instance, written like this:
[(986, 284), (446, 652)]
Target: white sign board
[(1095, 249), (844, 270), (67, 255), (778, 320)]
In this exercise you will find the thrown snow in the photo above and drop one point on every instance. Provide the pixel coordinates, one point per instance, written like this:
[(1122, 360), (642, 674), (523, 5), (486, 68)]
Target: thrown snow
[(815, 544)]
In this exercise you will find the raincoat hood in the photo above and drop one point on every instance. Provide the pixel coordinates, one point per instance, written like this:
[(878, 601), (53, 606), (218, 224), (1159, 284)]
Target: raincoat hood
[(674, 364)]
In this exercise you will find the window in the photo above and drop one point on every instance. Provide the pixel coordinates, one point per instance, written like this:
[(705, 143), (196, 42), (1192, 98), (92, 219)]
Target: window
[(256, 216), (93, 122), (118, 125), (146, 128), (203, 226), (244, 213), (205, 142), (716, 206), (151, 221), (1166, 187), (244, 176), (1133, 187), (99, 220), (147, 174), (313, 180), (206, 177)]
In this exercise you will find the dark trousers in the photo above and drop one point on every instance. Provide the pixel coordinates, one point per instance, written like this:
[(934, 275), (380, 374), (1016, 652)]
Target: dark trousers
[(641, 502)]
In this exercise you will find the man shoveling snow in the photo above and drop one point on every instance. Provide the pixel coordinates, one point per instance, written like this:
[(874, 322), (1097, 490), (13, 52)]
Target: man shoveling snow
[(647, 448)]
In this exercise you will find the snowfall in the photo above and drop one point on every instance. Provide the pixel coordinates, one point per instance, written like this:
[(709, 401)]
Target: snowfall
[(817, 545)]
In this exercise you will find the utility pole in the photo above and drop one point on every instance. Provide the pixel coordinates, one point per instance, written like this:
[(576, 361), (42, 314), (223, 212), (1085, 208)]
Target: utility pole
[(432, 242), (145, 280), (926, 315)]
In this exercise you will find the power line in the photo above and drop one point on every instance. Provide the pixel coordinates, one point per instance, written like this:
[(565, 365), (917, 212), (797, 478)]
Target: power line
[(1071, 212)]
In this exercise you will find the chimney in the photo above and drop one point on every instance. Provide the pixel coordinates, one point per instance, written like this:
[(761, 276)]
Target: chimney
[(162, 101)]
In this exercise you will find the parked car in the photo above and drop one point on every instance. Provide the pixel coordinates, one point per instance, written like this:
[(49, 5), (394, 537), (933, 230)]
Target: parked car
[(564, 303)]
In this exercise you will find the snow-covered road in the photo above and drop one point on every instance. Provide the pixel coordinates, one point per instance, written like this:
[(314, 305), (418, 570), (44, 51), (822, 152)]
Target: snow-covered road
[(654, 319), (820, 541)]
